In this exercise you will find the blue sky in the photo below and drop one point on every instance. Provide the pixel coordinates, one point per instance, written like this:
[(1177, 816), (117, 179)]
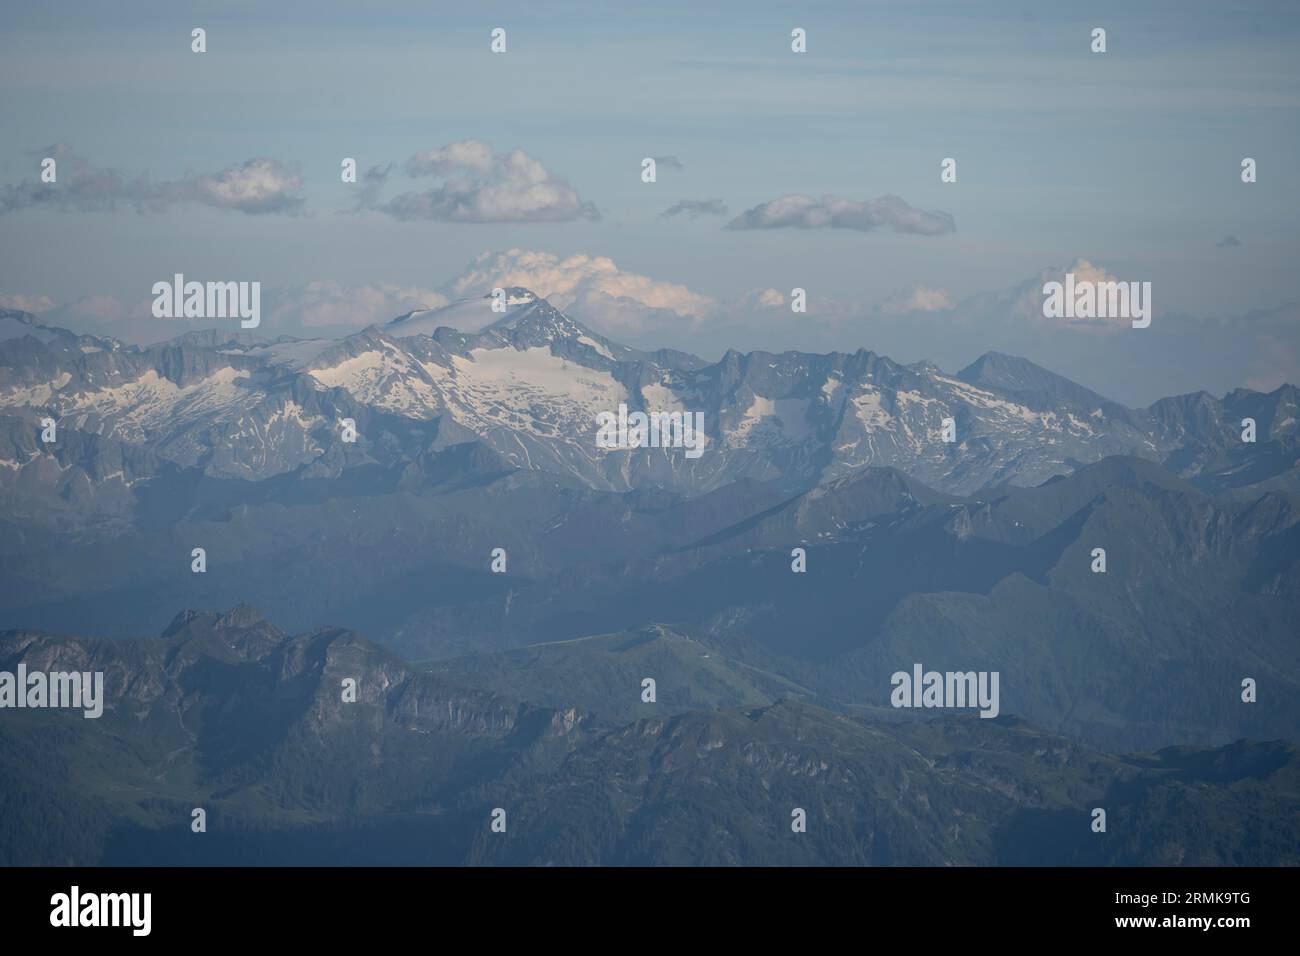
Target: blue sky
[(1128, 160)]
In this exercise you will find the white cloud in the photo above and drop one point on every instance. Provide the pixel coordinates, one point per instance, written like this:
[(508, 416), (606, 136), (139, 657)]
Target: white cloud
[(581, 279), (763, 299), (918, 300), (482, 186), (1028, 303), (1022, 304), (26, 303), (325, 304), (831, 212), (256, 186), (470, 154)]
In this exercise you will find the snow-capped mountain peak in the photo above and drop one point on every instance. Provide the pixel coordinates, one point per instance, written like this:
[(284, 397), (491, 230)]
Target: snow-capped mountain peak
[(464, 315), (529, 322), (531, 384)]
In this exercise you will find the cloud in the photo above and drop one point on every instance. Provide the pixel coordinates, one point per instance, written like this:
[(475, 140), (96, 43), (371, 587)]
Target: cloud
[(327, 305), (257, 186), (26, 303), (631, 321), (804, 212), (1228, 241), (578, 278), (482, 186), (470, 154), (918, 300), (372, 181), (765, 299), (695, 208), (1022, 304), (1031, 301)]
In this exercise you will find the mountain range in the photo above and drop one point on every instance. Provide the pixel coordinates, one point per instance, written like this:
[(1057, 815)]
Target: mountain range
[(519, 581), (529, 386), (226, 713)]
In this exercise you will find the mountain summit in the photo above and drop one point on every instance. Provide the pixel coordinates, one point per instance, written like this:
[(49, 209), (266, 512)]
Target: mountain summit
[(528, 321), (463, 315)]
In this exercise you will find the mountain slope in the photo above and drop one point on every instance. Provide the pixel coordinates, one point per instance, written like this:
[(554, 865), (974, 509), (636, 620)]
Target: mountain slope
[(604, 674), (228, 713), (1198, 594)]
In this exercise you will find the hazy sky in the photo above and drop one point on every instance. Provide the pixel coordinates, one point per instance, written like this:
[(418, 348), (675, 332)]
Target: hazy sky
[(225, 165)]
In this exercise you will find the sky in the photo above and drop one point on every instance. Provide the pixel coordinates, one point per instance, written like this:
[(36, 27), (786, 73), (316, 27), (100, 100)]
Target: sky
[(775, 170)]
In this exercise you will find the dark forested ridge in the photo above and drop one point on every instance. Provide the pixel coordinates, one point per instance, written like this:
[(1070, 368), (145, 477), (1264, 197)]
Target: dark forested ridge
[(228, 713)]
